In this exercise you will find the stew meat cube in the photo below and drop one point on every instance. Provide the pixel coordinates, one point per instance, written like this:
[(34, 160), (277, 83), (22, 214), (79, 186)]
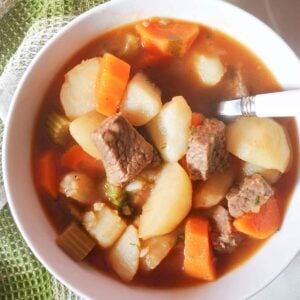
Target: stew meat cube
[(224, 238), (207, 150), (124, 151), (252, 193)]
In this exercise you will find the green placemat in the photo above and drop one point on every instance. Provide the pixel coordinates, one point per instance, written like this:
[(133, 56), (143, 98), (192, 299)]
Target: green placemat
[(21, 274)]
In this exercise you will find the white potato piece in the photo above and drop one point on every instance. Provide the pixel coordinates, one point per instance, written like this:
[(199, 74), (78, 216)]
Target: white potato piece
[(170, 129), (270, 175), (155, 249), (260, 141), (78, 92), (209, 69), (103, 224), (82, 128), (168, 204), (142, 100), (124, 255), (213, 190), (79, 187)]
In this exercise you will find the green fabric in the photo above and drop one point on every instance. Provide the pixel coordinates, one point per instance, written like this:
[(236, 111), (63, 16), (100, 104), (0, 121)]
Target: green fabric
[(18, 20), (21, 274)]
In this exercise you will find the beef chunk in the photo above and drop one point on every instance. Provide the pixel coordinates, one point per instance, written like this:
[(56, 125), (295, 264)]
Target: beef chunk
[(124, 151), (253, 192), (224, 238), (207, 150)]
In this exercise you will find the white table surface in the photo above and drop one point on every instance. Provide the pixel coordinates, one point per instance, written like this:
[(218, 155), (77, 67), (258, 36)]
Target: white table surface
[(284, 17)]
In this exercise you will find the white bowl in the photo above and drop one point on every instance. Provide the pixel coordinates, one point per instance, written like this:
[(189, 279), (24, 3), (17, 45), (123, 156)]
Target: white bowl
[(264, 266)]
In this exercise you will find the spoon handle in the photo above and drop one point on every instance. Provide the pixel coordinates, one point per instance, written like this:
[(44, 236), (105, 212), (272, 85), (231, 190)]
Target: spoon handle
[(280, 104)]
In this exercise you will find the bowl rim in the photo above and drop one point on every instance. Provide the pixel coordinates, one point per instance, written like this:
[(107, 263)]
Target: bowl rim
[(14, 104)]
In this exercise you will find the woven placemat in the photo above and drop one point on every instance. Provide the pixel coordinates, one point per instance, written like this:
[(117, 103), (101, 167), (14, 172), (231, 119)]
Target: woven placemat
[(21, 275)]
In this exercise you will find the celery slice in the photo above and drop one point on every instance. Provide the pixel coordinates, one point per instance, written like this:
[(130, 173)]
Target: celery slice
[(58, 128), (76, 242)]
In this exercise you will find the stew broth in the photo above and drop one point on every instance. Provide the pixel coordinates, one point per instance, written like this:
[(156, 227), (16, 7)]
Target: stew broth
[(174, 76)]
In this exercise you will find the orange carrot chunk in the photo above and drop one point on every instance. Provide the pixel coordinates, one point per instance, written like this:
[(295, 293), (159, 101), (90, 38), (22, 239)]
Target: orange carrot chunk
[(198, 259), (197, 119), (171, 39), (47, 173), (76, 159), (111, 84), (263, 224)]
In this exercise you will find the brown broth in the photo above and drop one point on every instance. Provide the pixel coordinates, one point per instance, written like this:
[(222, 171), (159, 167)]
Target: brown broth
[(174, 77)]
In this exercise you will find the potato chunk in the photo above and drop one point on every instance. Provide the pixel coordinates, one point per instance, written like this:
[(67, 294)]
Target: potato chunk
[(142, 100), (155, 249), (209, 69), (124, 255), (78, 92), (103, 224), (82, 128), (270, 175), (80, 187), (168, 204), (212, 191), (260, 141), (170, 129)]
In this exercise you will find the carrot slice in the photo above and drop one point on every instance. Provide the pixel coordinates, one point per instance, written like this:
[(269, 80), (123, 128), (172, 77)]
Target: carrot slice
[(75, 158), (263, 224), (111, 83), (197, 119), (171, 39), (198, 259), (47, 173)]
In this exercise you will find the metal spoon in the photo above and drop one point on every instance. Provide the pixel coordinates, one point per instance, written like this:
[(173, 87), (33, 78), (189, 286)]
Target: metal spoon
[(280, 104)]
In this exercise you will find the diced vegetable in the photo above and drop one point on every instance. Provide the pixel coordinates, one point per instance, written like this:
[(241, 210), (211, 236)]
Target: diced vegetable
[(198, 260), (270, 175), (80, 187), (173, 38), (114, 194), (58, 128), (82, 128), (78, 92), (260, 141), (47, 173), (209, 69), (197, 119), (78, 160), (263, 224), (124, 255), (118, 198), (131, 46), (170, 129), (213, 190), (103, 224), (142, 100), (76, 242), (155, 249), (168, 204), (111, 84)]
